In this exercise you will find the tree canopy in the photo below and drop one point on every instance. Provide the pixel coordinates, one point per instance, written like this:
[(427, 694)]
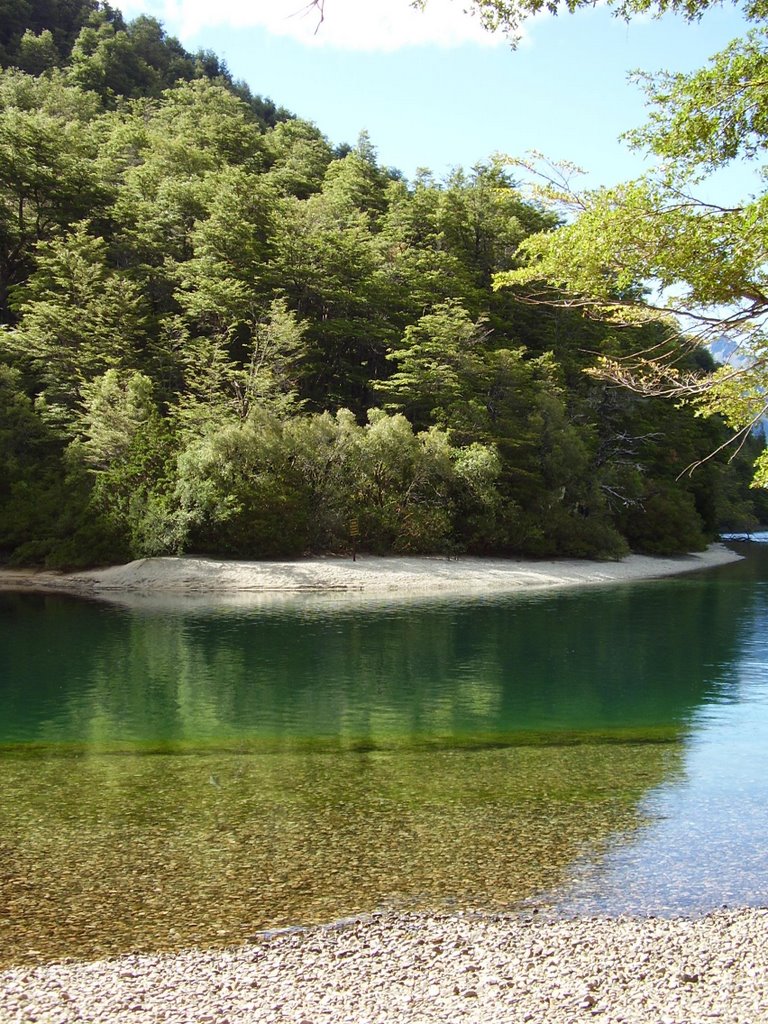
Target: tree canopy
[(508, 16), (660, 249), (220, 333)]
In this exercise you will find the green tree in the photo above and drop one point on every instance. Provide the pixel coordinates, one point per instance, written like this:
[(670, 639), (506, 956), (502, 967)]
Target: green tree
[(326, 263), (657, 249), (115, 411), (299, 155), (179, 166), (37, 52), (417, 266), (77, 318), (222, 283), (112, 58), (199, 313), (105, 61), (45, 511), (48, 177), (483, 217), (62, 18), (238, 493), (128, 450), (219, 387)]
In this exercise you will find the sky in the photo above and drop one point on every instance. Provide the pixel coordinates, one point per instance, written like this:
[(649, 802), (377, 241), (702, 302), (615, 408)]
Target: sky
[(434, 90)]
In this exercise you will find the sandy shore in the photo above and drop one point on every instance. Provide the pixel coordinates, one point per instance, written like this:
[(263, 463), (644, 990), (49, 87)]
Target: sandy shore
[(370, 575), (411, 969)]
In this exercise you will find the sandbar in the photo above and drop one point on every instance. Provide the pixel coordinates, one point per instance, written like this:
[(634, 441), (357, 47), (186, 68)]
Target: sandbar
[(191, 575)]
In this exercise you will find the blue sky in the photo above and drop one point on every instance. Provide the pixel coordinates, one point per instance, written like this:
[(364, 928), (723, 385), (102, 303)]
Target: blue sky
[(433, 90)]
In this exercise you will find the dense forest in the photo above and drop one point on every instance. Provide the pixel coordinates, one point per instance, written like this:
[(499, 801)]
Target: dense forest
[(219, 333)]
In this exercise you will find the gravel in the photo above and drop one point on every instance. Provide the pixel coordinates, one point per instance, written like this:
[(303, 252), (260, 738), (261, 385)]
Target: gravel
[(419, 968)]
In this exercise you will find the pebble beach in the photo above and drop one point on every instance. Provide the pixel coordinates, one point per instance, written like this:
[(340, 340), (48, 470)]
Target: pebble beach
[(415, 969)]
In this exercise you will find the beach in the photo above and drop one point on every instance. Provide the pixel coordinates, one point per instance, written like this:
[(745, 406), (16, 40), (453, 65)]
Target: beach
[(367, 575), (418, 969)]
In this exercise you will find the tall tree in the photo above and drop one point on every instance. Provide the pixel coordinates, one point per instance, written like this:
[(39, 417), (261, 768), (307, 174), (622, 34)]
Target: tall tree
[(48, 177), (658, 248), (77, 318)]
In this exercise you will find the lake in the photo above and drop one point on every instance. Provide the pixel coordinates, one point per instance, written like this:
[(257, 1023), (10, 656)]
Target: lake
[(185, 771)]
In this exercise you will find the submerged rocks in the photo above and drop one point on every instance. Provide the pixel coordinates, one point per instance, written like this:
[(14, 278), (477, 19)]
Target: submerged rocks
[(419, 968)]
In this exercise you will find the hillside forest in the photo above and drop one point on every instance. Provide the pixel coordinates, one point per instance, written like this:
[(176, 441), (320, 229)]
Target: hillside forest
[(221, 333)]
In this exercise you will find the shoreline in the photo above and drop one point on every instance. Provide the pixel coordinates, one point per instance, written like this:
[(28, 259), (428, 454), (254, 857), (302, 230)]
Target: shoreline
[(400, 967), (411, 968), (193, 576)]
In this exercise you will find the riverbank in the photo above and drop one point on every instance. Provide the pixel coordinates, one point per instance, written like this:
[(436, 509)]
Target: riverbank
[(414, 969), (374, 575)]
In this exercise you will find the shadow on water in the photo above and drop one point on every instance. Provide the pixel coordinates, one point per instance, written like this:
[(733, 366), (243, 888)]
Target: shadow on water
[(321, 761)]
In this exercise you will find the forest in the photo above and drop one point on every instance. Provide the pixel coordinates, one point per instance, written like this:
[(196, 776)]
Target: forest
[(222, 333)]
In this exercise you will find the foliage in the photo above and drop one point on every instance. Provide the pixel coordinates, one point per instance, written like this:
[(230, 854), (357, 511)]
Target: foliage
[(659, 249), (107, 57), (507, 16), (267, 486), (77, 317), (219, 334)]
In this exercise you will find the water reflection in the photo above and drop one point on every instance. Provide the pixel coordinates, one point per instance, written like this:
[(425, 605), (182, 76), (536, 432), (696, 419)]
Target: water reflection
[(703, 844), (625, 660), (324, 759)]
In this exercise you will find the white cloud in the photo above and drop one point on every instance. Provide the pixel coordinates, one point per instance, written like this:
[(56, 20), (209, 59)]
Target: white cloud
[(382, 25)]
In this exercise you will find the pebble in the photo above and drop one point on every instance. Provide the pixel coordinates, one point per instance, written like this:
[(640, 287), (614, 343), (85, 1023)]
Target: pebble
[(617, 970)]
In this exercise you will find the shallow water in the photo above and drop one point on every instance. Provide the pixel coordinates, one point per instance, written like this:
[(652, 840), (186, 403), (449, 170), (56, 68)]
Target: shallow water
[(193, 771)]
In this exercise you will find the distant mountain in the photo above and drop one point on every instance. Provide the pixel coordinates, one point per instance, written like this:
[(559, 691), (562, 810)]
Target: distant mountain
[(727, 351)]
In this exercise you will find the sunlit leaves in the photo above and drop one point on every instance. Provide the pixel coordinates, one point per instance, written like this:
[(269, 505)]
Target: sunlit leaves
[(115, 410), (268, 485), (78, 317)]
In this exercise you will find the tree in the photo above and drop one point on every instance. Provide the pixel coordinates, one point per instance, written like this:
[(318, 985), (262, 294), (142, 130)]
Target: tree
[(107, 62), (656, 249), (507, 16), (77, 319), (299, 156), (114, 59), (115, 412), (63, 19), (200, 311), (220, 285), (125, 445), (37, 53), (704, 262), (45, 510), (325, 263), (219, 388), (47, 175)]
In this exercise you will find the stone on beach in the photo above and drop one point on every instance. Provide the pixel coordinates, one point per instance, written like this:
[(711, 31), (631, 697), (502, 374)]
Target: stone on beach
[(417, 969)]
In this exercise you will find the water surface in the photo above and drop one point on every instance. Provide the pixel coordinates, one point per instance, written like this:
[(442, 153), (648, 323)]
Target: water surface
[(182, 772)]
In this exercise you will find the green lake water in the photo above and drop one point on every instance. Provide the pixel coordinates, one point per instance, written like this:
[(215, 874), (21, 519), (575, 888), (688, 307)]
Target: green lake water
[(188, 771)]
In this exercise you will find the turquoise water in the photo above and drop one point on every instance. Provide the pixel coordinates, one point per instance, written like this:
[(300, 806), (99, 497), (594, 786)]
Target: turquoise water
[(193, 771), (703, 844), (354, 671)]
